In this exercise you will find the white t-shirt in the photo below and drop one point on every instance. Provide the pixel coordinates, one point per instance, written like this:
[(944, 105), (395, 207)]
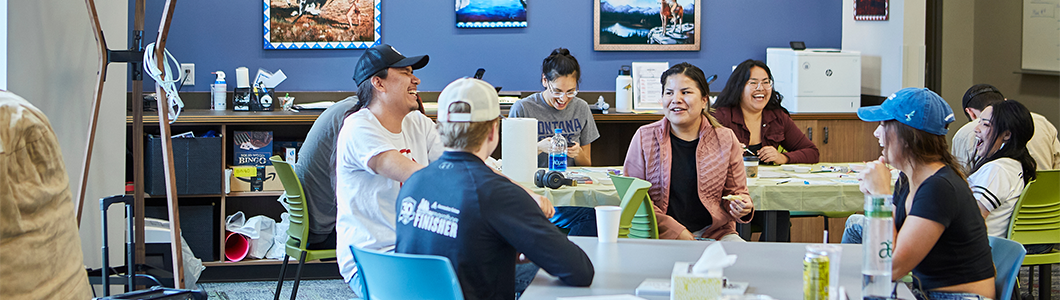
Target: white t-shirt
[(997, 185), (366, 200)]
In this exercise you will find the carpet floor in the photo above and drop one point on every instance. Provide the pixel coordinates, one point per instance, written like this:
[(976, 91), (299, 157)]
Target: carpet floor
[(333, 289)]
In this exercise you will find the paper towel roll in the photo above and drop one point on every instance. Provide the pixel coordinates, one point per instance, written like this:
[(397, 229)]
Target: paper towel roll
[(519, 148)]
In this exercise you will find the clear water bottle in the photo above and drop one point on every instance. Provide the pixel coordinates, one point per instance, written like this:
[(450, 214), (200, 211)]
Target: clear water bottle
[(879, 246), (557, 154)]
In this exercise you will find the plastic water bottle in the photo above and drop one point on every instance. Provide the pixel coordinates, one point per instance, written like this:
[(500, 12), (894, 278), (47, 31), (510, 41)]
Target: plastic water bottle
[(218, 92), (879, 246), (557, 155)]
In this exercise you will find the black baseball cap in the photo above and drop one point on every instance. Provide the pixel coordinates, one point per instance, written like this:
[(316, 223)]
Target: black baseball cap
[(381, 57)]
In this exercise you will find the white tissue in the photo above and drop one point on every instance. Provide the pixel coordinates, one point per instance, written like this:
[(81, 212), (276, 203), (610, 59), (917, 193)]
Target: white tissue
[(713, 260)]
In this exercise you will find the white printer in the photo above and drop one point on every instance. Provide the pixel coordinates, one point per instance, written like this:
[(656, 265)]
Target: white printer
[(816, 80)]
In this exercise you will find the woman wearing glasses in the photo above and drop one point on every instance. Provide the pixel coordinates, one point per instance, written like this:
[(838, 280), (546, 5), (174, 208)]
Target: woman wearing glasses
[(557, 107), (751, 108)]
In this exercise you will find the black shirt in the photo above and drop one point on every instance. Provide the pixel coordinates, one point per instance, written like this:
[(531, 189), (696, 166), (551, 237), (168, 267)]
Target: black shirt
[(459, 208), (962, 253), (685, 206)]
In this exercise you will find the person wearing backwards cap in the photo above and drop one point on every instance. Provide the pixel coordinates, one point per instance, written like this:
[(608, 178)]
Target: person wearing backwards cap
[(940, 235), (483, 219)]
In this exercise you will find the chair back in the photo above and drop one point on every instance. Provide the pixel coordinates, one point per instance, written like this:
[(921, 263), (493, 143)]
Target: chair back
[(1007, 256), (1036, 217), (638, 214), (298, 232), (388, 276)]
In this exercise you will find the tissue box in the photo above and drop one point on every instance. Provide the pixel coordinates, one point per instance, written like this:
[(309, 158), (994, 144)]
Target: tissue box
[(684, 285)]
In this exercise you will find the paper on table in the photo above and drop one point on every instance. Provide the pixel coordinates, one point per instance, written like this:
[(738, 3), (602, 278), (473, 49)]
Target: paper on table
[(807, 175), (771, 174), (519, 148), (603, 297)]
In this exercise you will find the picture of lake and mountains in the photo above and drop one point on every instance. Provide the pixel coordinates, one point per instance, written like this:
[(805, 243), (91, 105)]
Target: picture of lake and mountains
[(638, 22)]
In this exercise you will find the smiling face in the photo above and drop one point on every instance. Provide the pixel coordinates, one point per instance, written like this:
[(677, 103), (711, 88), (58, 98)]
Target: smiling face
[(565, 85), (683, 101), (984, 132), (757, 91), (400, 87)]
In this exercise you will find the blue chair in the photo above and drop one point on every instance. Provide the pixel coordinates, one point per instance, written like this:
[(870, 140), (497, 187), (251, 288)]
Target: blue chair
[(387, 276), (1008, 256)]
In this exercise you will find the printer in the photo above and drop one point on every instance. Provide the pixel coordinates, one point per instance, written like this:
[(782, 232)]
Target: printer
[(816, 80)]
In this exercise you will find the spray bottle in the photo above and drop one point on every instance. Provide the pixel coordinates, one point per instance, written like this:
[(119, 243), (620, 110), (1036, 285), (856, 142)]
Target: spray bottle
[(218, 92)]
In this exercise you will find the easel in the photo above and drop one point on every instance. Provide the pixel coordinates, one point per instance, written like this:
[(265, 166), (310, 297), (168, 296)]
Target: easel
[(134, 57)]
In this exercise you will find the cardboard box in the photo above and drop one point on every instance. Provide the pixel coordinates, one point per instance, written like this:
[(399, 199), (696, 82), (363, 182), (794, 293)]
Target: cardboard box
[(685, 285), (197, 165), (251, 148), (243, 176)]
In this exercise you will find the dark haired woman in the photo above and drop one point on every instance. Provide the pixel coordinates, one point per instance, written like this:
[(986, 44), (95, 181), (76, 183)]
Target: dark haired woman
[(751, 108), (940, 234), (691, 162), (557, 107), (1003, 166)]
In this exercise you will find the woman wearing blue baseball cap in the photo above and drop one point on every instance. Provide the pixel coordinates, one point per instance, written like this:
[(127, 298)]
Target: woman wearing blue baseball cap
[(939, 233)]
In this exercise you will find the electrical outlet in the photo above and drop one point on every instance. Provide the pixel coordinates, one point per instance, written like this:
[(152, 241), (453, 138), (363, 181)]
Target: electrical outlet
[(189, 71)]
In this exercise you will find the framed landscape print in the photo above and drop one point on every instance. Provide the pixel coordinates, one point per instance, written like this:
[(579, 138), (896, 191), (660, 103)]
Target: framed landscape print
[(490, 13), (321, 24), (647, 25)]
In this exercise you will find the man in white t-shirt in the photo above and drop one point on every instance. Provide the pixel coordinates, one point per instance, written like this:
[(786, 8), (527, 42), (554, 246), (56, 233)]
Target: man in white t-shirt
[(383, 140)]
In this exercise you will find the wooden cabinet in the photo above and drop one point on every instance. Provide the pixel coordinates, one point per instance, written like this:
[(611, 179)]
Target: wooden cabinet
[(840, 137)]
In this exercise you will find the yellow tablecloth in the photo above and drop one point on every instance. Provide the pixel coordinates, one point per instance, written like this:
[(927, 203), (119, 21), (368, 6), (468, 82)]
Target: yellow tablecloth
[(825, 191)]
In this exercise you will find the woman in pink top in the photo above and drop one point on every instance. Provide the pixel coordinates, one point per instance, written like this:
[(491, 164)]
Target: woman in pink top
[(691, 162)]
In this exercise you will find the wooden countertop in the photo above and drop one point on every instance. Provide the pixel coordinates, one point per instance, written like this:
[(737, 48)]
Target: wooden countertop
[(206, 117)]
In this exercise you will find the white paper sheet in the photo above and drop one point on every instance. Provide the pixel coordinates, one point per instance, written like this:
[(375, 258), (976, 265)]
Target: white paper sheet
[(519, 148)]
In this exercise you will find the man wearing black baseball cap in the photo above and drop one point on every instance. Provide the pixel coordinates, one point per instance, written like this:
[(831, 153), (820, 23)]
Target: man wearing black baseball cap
[(383, 140)]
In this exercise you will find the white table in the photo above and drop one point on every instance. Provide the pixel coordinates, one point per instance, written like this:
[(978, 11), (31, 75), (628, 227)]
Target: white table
[(773, 269)]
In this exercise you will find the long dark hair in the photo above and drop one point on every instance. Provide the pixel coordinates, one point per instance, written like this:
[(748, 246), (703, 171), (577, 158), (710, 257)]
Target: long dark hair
[(732, 93), (365, 92), (694, 73), (561, 63), (1012, 117), (921, 147)]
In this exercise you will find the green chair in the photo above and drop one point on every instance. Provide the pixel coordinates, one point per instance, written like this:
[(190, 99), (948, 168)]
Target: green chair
[(638, 215), (298, 232), (1036, 220)]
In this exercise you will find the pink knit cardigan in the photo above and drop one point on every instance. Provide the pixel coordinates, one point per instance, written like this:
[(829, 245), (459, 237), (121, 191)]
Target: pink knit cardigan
[(719, 169)]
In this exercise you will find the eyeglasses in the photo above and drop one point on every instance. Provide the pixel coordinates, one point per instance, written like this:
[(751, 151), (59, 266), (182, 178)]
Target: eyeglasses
[(557, 94), (760, 84)]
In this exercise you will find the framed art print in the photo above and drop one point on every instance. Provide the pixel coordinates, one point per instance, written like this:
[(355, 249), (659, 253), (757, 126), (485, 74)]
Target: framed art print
[(647, 25), (321, 24), (871, 10), (490, 13)]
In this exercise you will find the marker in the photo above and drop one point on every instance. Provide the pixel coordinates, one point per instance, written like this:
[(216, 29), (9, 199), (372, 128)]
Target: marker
[(783, 181)]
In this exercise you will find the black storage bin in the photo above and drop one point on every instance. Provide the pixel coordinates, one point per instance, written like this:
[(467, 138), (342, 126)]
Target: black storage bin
[(197, 163), (198, 225)]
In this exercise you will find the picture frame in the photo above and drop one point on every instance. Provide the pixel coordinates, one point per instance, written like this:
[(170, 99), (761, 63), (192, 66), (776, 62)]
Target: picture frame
[(321, 24), (872, 10), (641, 25), (647, 85), (490, 13)]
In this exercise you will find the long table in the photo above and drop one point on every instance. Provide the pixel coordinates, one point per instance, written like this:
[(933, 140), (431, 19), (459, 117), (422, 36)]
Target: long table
[(773, 197), (773, 269)]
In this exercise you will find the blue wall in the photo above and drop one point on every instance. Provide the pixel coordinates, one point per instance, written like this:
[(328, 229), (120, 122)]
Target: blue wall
[(225, 34)]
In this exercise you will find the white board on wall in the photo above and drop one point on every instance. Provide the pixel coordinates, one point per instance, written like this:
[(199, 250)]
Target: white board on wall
[(1041, 35)]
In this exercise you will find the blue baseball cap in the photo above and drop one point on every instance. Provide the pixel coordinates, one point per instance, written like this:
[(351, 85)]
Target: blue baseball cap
[(919, 108)]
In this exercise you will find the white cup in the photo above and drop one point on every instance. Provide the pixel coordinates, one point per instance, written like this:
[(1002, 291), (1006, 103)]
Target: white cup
[(607, 218)]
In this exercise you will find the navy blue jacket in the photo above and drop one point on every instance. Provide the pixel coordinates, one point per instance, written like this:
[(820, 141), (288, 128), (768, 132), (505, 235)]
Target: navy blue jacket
[(459, 208)]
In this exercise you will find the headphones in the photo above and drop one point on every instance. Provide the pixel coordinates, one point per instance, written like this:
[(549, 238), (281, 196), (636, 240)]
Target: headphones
[(552, 179)]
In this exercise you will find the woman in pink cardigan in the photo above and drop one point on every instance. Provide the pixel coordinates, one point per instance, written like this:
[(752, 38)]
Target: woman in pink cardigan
[(704, 157)]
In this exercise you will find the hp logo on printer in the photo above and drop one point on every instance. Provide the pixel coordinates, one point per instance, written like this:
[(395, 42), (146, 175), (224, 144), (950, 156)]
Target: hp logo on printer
[(828, 73)]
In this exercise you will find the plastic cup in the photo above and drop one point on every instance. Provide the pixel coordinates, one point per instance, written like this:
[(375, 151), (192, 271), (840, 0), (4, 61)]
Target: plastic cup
[(607, 218), (236, 246)]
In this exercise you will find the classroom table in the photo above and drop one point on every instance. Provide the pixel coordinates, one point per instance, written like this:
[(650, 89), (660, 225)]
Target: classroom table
[(776, 193), (773, 269)]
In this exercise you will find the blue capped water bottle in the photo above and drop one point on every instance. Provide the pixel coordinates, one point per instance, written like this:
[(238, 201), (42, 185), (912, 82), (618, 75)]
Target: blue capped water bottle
[(557, 155)]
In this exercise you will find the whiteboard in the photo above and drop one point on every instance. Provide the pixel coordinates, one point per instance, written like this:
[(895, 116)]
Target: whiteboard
[(1041, 35)]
